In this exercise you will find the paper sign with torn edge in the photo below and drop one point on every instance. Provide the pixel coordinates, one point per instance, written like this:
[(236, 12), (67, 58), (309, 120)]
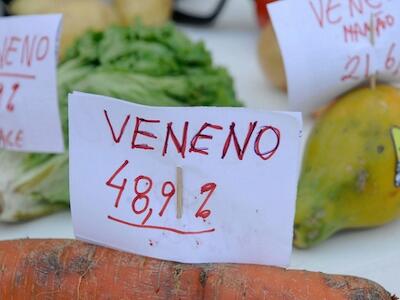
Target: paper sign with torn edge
[(239, 172), (330, 47), (29, 112)]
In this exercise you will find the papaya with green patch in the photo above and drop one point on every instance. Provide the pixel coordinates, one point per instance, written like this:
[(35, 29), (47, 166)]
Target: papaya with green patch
[(350, 173)]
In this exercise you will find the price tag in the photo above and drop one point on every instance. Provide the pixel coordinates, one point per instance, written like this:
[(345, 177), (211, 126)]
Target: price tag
[(331, 46), (29, 115), (193, 185)]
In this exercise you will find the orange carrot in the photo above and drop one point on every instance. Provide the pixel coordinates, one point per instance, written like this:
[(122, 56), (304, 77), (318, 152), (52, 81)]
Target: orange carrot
[(68, 269)]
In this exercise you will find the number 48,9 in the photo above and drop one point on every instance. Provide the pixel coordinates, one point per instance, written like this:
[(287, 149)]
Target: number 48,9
[(141, 201)]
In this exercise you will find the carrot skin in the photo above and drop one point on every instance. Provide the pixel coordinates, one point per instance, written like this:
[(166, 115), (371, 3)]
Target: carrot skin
[(68, 269)]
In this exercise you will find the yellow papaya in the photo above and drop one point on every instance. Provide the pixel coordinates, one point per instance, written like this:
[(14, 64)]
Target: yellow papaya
[(350, 175)]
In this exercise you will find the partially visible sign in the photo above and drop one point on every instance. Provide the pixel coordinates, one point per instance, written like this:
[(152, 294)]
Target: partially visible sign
[(396, 143), (331, 46), (189, 184), (29, 114)]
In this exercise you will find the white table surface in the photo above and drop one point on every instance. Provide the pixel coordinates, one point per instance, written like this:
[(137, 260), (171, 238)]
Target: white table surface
[(373, 254)]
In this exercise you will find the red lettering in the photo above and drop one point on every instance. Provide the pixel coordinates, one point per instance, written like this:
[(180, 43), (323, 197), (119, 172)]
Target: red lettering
[(232, 135), (19, 138), (319, 15), (3, 52), (330, 10), (351, 68), (210, 188), (373, 5), (43, 42), (390, 61), (10, 96), (167, 195), (141, 203), (11, 48), (348, 33), (180, 147), (353, 32), (383, 23), (200, 135), (14, 89), (136, 132), (122, 130), (389, 20), (121, 187), (5, 138), (11, 138), (24, 50), (174, 230), (268, 154), (356, 5), (142, 196), (27, 51), (144, 133)]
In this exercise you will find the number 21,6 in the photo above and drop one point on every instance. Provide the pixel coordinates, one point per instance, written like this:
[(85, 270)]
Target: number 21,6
[(359, 66), (143, 185)]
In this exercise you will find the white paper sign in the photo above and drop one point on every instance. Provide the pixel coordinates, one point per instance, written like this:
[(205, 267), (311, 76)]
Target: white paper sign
[(29, 115), (239, 169), (331, 46)]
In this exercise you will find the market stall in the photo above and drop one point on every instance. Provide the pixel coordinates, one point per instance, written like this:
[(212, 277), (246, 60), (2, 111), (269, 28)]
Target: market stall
[(234, 41)]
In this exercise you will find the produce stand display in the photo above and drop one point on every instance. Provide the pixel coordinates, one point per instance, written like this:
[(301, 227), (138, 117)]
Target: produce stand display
[(369, 253)]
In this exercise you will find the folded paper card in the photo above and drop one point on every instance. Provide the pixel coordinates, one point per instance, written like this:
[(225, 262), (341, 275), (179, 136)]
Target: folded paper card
[(29, 115), (330, 47), (188, 184)]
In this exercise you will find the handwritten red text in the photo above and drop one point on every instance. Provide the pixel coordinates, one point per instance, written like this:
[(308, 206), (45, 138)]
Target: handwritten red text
[(141, 206), (23, 50), (11, 139), (144, 133)]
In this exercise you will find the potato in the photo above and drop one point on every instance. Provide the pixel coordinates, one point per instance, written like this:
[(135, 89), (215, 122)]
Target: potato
[(150, 12), (26, 7), (79, 15)]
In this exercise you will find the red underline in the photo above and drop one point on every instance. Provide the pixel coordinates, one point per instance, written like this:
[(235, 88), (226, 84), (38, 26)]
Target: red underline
[(17, 75), (161, 227)]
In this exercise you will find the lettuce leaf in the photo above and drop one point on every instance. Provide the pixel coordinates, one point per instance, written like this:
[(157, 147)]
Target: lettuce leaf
[(147, 65)]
